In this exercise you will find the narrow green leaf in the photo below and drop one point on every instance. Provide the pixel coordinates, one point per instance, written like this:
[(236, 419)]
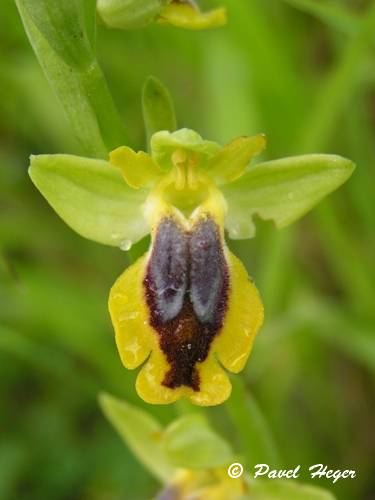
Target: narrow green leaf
[(282, 190), (82, 90), (92, 197), (89, 7), (287, 490), (339, 85), (158, 108), (332, 99), (63, 26), (140, 432), (190, 443)]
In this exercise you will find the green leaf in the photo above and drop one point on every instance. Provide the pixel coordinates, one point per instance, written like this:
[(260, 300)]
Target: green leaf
[(282, 190), (63, 26), (82, 90), (287, 490), (92, 197), (89, 7), (158, 108), (140, 432), (190, 443)]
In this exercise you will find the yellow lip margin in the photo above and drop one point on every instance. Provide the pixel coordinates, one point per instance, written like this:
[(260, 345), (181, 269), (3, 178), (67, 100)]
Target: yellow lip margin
[(138, 342)]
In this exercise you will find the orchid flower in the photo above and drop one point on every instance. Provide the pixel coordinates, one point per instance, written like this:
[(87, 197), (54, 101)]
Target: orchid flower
[(186, 14), (186, 310)]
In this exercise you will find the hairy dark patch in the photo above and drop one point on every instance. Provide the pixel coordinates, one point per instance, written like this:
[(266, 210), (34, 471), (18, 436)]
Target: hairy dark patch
[(186, 287), (208, 271), (167, 270)]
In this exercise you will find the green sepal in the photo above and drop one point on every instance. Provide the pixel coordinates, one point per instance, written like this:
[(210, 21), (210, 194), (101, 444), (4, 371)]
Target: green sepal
[(158, 108), (190, 443), (92, 197), (129, 14), (282, 190), (163, 145), (140, 432)]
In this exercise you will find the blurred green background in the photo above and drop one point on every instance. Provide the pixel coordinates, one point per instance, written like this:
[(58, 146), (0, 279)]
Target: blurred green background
[(303, 75)]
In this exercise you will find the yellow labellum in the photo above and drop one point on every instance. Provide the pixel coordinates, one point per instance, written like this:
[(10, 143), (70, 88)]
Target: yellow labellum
[(140, 341)]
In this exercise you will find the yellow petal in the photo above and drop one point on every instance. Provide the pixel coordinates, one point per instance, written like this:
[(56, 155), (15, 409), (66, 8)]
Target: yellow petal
[(188, 16), (243, 319), (160, 306), (138, 169), (149, 382), (230, 163), (215, 387), (134, 337)]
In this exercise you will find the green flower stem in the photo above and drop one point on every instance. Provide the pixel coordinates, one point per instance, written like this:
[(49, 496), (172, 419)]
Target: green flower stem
[(183, 407), (252, 427), (335, 94), (82, 91), (239, 114), (339, 86)]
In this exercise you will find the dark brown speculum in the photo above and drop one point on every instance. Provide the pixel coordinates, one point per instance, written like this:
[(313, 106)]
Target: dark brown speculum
[(186, 288)]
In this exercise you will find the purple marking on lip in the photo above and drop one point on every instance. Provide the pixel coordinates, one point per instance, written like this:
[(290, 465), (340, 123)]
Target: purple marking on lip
[(186, 287)]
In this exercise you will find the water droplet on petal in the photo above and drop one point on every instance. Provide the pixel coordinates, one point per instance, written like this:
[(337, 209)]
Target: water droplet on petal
[(126, 245), (234, 232)]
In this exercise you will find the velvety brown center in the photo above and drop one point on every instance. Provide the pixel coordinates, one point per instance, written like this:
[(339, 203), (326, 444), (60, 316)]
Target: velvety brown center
[(186, 288)]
